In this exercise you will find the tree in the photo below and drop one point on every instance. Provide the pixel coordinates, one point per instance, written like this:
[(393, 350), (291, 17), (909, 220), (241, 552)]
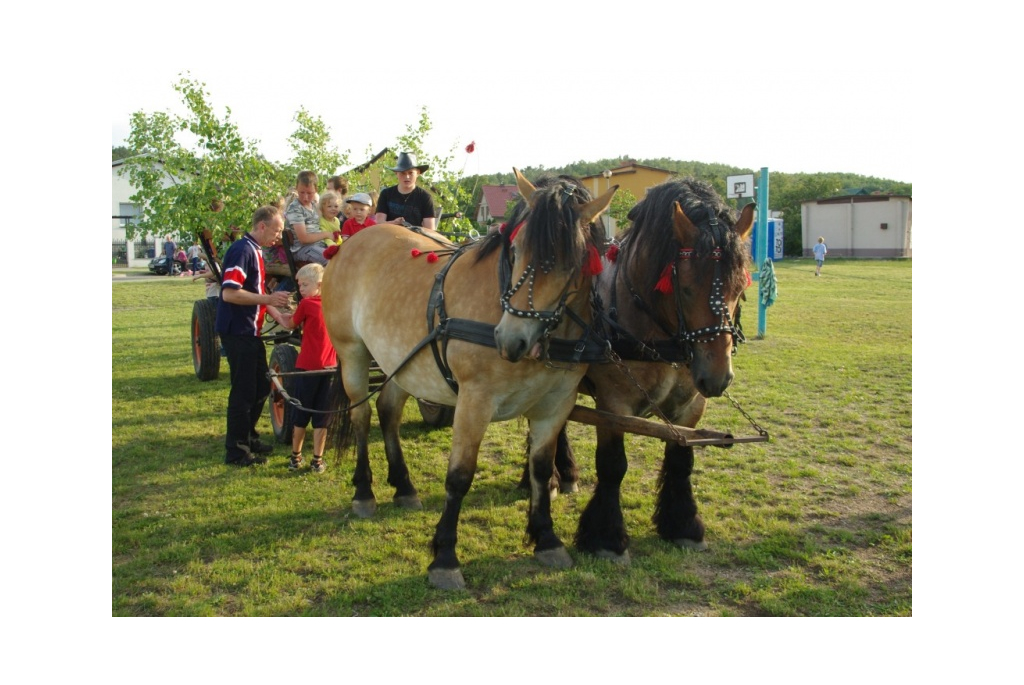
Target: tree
[(311, 145), (196, 172)]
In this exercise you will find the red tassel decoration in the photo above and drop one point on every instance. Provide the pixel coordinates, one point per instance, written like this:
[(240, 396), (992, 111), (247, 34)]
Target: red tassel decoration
[(664, 284), (593, 266), (612, 254), (415, 253), (432, 257), (330, 251)]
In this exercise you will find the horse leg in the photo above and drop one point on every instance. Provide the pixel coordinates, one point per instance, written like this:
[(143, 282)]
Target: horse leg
[(355, 376), (390, 403), (601, 530), (471, 421), (675, 514), (548, 548), (566, 477)]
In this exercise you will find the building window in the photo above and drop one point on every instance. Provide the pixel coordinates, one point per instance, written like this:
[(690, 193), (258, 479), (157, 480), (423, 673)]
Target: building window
[(126, 211)]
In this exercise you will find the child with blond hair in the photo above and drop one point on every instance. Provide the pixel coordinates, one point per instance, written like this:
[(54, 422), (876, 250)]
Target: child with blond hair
[(330, 208), (316, 353)]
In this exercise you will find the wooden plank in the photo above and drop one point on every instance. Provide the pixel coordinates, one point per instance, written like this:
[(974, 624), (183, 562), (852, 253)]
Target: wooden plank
[(683, 435)]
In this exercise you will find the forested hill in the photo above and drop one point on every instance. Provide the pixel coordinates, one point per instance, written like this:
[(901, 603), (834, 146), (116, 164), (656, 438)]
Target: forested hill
[(787, 191), (715, 174)]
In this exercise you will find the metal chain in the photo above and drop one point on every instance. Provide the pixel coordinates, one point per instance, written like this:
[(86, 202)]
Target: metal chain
[(761, 431), (650, 401)]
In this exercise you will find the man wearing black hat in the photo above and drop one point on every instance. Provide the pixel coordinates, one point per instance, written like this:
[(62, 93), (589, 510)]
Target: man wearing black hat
[(406, 202)]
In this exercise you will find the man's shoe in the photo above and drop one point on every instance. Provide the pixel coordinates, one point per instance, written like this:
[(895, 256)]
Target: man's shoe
[(246, 460), (244, 457), (318, 465), (260, 447)]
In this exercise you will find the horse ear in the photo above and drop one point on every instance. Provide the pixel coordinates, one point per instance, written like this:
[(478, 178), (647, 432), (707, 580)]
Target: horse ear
[(686, 232), (745, 222), (526, 188), (595, 207)]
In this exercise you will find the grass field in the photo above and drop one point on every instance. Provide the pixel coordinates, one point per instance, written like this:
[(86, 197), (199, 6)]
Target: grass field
[(816, 522)]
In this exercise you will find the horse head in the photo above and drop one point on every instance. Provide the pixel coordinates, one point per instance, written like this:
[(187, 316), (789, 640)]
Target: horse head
[(553, 247), (692, 294)]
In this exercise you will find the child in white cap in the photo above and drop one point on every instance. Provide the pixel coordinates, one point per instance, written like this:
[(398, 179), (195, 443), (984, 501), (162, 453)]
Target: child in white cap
[(360, 204)]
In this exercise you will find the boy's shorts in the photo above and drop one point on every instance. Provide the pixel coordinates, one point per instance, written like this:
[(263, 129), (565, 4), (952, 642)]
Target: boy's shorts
[(313, 392)]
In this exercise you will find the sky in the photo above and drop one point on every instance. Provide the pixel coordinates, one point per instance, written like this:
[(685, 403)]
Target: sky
[(541, 84)]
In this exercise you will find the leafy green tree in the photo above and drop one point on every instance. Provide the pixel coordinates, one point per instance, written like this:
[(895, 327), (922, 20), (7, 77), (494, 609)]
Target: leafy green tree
[(119, 152), (312, 149), (196, 172)]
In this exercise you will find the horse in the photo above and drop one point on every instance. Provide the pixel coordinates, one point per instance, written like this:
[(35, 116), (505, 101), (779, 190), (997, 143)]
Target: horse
[(668, 294), (519, 291)]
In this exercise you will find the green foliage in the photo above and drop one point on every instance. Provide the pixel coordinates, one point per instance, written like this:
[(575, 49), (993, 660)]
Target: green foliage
[(312, 150), (622, 202), (786, 191), (196, 172), (120, 152)]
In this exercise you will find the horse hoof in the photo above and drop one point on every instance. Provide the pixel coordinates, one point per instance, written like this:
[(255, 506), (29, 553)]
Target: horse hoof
[(619, 559), (554, 558), (569, 488), (447, 579), (695, 545), (409, 502), (364, 508)]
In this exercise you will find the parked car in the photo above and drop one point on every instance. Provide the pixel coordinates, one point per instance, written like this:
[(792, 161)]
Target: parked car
[(158, 266)]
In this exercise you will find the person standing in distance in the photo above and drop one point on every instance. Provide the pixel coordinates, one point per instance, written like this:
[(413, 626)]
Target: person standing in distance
[(820, 250), (406, 202), (244, 303)]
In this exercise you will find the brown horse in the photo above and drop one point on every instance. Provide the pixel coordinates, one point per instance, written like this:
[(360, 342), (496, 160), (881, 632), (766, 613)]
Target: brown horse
[(518, 290), (668, 293)]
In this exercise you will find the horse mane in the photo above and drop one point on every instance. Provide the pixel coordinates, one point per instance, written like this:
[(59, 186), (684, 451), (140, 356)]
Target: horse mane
[(555, 204), (650, 239)]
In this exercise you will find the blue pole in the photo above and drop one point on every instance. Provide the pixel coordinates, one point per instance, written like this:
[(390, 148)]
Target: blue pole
[(761, 248)]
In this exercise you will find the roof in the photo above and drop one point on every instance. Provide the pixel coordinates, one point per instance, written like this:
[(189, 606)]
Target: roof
[(498, 197), (629, 168)]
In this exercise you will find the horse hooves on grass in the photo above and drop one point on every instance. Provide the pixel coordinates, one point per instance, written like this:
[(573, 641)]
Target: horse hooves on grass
[(447, 579), (364, 508), (619, 559), (554, 558), (409, 502), (695, 545), (569, 488)]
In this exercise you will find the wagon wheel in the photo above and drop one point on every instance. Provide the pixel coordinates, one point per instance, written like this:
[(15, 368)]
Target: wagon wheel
[(282, 360), (436, 415), (205, 341)]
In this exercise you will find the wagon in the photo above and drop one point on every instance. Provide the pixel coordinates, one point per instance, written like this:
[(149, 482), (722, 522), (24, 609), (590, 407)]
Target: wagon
[(206, 358)]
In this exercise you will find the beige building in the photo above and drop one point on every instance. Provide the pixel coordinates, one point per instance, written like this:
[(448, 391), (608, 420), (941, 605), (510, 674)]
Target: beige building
[(636, 178), (859, 225)]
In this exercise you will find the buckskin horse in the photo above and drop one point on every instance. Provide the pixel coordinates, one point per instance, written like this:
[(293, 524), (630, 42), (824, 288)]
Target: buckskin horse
[(431, 315), (667, 295)]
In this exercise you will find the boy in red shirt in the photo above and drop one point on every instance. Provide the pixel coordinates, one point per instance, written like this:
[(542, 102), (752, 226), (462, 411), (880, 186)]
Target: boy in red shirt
[(316, 353), (360, 203)]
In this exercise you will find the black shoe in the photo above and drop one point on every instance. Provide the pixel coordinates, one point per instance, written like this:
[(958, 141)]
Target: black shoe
[(260, 447), (245, 460)]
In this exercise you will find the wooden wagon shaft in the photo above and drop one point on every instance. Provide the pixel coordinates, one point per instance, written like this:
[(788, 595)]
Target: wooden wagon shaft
[(692, 437)]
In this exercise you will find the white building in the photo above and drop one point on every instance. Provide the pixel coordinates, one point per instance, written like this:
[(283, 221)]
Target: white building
[(859, 225), (122, 207)]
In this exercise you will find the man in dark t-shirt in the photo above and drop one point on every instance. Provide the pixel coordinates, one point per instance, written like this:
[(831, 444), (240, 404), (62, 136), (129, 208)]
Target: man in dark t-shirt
[(406, 202)]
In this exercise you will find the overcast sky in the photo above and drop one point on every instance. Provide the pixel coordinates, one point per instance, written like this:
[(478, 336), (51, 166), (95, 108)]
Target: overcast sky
[(535, 84)]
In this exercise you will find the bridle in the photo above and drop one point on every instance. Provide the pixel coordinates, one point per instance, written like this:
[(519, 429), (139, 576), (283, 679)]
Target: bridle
[(681, 338), (551, 318)]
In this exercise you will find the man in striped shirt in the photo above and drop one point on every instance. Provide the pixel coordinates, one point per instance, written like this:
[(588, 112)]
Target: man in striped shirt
[(244, 302)]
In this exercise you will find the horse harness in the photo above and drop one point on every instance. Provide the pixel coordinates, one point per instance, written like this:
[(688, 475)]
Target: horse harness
[(678, 347), (441, 328)]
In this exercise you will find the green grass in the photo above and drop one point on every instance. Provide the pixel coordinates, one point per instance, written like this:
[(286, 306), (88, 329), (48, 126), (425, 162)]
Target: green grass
[(816, 522)]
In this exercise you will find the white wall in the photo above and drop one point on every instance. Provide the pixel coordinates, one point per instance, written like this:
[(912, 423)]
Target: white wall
[(853, 227)]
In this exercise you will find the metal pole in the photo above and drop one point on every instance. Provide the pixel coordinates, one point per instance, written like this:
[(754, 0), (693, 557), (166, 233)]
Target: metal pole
[(761, 248)]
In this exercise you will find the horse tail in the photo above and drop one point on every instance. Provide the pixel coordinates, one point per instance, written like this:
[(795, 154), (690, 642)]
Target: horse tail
[(339, 428)]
